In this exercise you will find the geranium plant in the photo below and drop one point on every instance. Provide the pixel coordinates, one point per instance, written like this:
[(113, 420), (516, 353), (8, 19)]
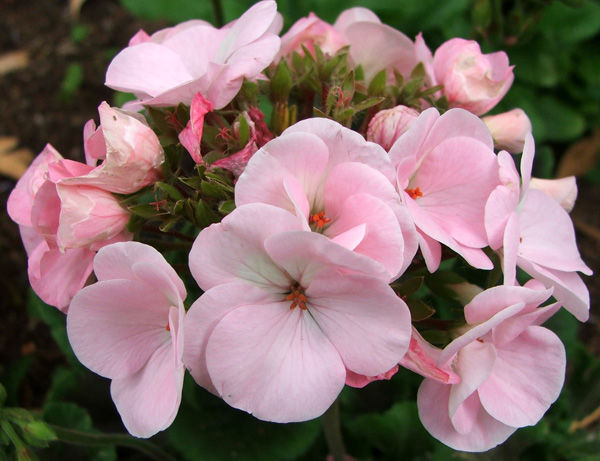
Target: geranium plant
[(345, 212)]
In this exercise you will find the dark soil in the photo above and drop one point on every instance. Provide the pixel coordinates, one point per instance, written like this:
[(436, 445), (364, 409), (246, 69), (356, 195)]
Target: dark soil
[(36, 111)]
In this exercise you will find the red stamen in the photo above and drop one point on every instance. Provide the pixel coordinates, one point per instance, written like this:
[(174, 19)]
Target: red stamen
[(158, 203), (297, 297), (414, 193), (320, 219), (167, 327)]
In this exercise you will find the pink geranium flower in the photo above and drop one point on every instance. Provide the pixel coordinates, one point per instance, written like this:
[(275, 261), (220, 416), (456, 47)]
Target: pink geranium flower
[(286, 314), (172, 65), (511, 370), (127, 327), (534, 232), (62, 226), (128, 149), (446, 169), (338, 185)]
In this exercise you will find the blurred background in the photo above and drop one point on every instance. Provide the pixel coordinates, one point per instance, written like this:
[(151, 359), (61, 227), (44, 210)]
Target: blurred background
[(53, 58)]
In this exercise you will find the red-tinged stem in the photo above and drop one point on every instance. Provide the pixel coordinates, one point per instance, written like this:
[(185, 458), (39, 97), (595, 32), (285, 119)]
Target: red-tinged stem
[(333, 432)]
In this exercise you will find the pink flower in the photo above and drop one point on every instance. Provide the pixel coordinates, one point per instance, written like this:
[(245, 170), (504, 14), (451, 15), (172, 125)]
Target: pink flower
[(127, 327), (472, 80), (308, 32), (535, 233), (191, 136), (285, 314), (562, 190), (375, 46), (337, 184), (446, 169), (511, 371), (129, 149), (509, 129), (62, 226), (173, 65), (388, 125)]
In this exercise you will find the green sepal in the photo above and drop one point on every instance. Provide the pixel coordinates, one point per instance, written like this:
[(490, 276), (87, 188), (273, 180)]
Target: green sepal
[(419, 311)]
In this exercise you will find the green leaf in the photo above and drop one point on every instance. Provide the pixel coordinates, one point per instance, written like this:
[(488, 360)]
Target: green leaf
[(172, 10), (378, 84), (571, 25), (410, 287), (72, 81), (144, 211), (243, 130), (204, 215), (169, 190), (281, 83), (418, 309), (223, 432), (227, 207), (2, 395), (38, 433)]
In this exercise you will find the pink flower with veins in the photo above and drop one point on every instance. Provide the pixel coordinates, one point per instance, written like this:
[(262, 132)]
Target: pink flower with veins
[(129, 150), (128, 327), (171, 66), (511, 370), (531, 230), (445, 171), (286, 314), (337, 184)]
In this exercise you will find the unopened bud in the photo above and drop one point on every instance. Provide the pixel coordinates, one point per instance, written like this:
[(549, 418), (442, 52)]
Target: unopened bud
[(388, 125), (509, 129)]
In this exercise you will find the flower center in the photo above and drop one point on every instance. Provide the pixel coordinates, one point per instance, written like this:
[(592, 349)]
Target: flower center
[(317, 221), (297, 297), (414, 193)]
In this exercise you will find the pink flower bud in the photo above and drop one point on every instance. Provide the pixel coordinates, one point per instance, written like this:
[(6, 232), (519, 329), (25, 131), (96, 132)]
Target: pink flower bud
[(472, 80), (310, 32), (563, 190), (388, 125), (509, 129)]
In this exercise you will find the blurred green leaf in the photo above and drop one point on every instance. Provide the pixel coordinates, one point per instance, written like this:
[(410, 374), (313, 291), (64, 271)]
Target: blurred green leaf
[(571, 25), (214, 430)]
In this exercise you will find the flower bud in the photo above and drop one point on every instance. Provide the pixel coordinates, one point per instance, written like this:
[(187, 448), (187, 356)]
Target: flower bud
[(509, 129), (472, 80), (563, 190), (388, 125)]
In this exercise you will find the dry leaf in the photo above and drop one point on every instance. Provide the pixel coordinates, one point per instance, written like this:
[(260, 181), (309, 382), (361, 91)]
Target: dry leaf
[(75, 8), (15, 60), (13, 163), (581, 157)]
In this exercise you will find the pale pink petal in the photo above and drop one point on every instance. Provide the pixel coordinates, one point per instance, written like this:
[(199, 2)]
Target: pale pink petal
[(383, 240), (296, 158), (474, 364), (562, 190), (536, 357), (149, 399), (114, 326), (56, 277), (191, 136), (275, 363), (302, 254), (366, 321), (206, 313), (350, 238), (411, 143), (547, 235), (117, 261), (147, 68), (432, 400), (345, 145), (360, 381), (421, 358), (459, 123), (352, 15), (510, 249), (235, 248)]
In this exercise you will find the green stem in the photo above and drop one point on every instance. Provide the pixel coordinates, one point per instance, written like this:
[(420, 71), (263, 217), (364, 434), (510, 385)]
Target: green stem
[(218, 10), (333, 432), (100, 440)]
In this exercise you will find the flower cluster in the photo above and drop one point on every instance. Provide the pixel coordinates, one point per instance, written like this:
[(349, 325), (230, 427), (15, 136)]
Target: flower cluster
[(309, 232)]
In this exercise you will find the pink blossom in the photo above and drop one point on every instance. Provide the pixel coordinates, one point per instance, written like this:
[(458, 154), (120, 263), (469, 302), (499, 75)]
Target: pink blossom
[(308, 32), (337, 184), (446, 169), (509, 129), (173, 65), (129, 149), (472, 80), (285, 314), (532, 231), (127, 327), (375, 46), (498, 356), (389, 124), (562, 190), (191, 136), (62, 226)]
